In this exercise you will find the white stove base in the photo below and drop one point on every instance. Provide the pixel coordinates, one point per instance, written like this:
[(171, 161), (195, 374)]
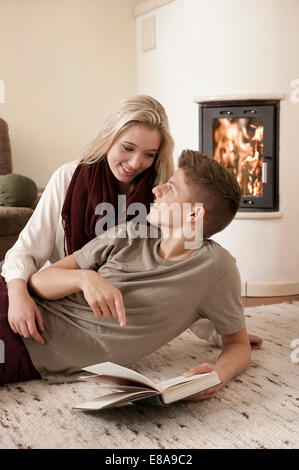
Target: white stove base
[(269, 289)]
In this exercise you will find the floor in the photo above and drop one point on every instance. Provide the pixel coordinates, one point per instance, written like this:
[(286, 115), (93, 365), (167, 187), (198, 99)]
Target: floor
[(257, 301), (257, 410)]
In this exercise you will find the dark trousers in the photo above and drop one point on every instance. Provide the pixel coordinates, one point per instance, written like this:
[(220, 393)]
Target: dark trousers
[(17, 365)]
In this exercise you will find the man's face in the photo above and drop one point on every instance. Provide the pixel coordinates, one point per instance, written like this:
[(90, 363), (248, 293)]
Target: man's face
[(172, 206)]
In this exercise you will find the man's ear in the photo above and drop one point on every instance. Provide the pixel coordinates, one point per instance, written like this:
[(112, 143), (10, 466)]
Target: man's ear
[(197, 213)]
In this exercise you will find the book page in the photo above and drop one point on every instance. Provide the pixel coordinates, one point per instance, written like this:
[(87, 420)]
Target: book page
[(162, 386), (111, 399), (114, 370), (111, 381), (181, 390), (114, 383)]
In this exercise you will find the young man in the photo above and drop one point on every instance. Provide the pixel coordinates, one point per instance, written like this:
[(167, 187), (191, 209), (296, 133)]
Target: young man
[(155, 287)]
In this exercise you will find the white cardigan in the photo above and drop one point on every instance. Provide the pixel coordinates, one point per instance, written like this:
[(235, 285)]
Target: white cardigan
[(42, 239)]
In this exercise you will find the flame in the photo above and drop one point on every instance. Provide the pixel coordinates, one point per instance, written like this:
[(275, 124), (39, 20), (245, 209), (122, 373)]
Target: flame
[(238, 146), (259, 133)]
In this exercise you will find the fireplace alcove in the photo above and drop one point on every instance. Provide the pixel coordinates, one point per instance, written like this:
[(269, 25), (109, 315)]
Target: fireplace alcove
[(248, 56), (243, 137), (245, 238)]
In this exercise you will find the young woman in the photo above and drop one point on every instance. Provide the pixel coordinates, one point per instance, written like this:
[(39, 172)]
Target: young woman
[(132, 154)]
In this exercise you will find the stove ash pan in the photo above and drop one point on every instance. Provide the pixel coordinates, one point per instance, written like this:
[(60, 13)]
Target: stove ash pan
[(243, 137)]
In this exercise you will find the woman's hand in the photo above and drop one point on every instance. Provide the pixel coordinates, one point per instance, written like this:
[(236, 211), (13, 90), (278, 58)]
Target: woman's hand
[(102, 297), (23, 313)]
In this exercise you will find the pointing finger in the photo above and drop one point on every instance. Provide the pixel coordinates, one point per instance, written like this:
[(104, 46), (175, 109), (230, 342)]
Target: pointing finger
[(120, 310)]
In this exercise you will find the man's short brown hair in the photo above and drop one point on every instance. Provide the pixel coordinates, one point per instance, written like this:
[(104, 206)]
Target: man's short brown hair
[(213, 186)]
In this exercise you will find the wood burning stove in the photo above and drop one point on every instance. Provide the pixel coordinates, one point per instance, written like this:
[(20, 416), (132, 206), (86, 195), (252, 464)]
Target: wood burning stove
[(243, 137)]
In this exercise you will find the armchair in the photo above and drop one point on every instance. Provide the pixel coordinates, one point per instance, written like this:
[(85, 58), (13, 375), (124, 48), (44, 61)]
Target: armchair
[(12, 219)]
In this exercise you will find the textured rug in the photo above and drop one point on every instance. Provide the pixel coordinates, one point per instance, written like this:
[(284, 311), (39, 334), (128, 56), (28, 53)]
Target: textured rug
[(258, 409)]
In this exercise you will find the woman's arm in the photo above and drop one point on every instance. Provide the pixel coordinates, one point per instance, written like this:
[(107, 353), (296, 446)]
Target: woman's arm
[(42, 237), (40, 240)]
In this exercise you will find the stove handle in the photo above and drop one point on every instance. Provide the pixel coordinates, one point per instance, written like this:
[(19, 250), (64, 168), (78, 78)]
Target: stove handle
[(264, 172)]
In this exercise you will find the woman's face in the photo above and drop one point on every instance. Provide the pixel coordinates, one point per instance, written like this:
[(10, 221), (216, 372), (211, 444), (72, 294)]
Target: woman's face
[(133, 152)]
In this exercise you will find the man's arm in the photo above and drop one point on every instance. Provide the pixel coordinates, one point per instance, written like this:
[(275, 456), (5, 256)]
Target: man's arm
[(65, 277), (234, 359), (58, 280)]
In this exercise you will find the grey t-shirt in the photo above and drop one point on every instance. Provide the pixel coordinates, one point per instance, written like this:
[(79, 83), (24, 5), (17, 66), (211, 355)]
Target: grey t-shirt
[(162, 298)]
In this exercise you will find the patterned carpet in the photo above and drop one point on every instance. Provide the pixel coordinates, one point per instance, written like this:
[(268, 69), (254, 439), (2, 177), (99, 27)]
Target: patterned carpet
[(259, 409)]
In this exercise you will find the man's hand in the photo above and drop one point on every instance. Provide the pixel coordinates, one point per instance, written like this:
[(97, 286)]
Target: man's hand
[(102, 297), (23, 313), (206, 394), (234, 359), (255, 341)]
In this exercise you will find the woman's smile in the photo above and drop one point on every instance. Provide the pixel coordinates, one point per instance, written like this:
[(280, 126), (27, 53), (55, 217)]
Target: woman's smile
[(127, 171), (133, 152)]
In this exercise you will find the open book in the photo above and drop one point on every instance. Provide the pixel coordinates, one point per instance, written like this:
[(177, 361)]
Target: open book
[(127, 387)]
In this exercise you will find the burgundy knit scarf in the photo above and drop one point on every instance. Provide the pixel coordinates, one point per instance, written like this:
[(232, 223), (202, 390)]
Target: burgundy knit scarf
[(91, 185)]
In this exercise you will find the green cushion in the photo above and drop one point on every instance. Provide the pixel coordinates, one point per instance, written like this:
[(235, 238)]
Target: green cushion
[(17, 191)]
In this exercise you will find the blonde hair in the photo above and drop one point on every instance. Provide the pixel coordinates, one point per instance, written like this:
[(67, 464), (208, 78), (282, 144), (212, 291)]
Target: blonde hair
[(139, 109)]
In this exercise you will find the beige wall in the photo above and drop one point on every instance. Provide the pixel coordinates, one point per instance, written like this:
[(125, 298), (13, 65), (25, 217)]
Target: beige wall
[(64, 64), (136, 2)]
